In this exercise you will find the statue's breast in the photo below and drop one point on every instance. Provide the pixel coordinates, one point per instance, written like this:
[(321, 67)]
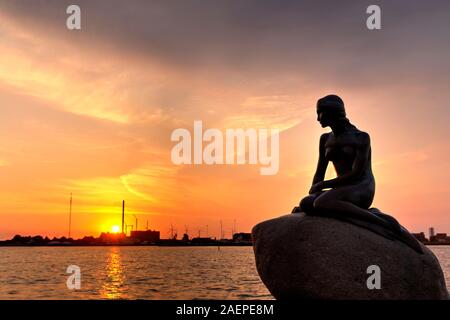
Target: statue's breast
[(348, 151), (330, 153), (336, 152)]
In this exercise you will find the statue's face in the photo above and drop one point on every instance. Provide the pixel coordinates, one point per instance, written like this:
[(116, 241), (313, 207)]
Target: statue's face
[(325, 119)]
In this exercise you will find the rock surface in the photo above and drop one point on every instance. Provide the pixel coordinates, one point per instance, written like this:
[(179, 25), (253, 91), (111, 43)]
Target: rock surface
[(308, 257)]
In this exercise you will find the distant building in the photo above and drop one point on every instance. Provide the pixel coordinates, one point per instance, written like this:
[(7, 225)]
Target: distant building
[(150, 236), (86, 240), (242, 237), (185, 237), (111, 238), (431, 232), (440, 237), (420, 236)]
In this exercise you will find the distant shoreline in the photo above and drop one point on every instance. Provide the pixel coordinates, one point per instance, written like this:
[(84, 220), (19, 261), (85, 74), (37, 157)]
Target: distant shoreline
[(156, 245), (129, 245)]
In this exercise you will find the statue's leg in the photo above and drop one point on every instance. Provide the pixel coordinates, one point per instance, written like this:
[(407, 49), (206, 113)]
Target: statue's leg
[(347, 200), (351, 202), (388, 218), (307, 204)]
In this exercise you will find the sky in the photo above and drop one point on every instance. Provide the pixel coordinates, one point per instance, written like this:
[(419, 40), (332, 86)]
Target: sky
[(90, 112)]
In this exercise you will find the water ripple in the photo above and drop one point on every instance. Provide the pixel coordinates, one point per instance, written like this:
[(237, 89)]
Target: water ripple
[(139, 272)]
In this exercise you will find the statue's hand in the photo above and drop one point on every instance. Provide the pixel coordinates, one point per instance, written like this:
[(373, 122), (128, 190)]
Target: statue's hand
[(317, 187)]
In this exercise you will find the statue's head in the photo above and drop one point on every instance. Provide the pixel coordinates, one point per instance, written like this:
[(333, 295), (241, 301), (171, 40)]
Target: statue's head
[(330, 109)]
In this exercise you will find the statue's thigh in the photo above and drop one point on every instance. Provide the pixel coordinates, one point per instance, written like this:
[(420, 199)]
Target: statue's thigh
[(357, 194), (307, 203)]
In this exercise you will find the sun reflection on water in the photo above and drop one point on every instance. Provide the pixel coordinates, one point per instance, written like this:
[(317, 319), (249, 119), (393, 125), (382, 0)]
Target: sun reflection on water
[(112, 287)]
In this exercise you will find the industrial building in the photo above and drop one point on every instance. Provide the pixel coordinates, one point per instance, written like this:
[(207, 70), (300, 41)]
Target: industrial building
[(149, 236)]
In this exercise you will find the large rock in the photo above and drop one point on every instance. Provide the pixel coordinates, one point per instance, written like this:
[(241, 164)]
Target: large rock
[(300, 256)]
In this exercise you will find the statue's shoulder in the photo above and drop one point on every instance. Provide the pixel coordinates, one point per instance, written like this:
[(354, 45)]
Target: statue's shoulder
[(324, 138), (362, 137)]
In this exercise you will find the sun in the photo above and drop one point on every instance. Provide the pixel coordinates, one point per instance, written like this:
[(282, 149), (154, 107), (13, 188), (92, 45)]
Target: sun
[(115, 229)]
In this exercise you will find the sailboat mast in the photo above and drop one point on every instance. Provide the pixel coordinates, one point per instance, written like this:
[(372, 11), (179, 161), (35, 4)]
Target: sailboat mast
[(70, 214)]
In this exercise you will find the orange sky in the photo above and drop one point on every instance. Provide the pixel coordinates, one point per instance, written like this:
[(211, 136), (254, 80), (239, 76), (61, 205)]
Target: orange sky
[(91, 112)]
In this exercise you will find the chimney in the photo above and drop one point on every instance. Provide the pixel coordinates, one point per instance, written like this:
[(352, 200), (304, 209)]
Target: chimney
[(123, 213)]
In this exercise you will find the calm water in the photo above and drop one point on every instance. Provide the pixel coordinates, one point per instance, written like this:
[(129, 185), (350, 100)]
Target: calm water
[(139, 272)]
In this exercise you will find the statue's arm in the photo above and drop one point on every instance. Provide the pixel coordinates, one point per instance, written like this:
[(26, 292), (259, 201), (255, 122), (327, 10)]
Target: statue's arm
[(359, 165), (322, 164)]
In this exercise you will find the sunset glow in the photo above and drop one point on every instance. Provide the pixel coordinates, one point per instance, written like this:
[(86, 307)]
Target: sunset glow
[(91, 113), (115, 229)]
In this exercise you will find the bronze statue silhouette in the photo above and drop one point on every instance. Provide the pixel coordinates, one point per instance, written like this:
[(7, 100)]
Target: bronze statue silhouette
[(351, 193)]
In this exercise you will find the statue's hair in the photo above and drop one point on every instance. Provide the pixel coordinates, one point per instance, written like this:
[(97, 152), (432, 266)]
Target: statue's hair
[(333, 104)]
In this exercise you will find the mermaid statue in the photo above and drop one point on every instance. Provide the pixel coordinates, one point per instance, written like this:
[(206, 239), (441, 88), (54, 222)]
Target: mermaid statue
[(348, 196)]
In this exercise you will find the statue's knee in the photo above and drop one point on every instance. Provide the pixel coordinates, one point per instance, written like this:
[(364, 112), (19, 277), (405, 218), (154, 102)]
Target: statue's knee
[(321, 203), (307, 204)]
